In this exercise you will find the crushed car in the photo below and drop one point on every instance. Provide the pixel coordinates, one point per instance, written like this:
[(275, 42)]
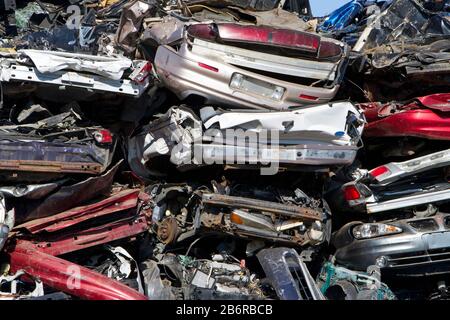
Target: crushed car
[(181, 211), (54, 145), (413, 184), (69, 70), (412, 247), (217, 63), (232, 150), (423, 117), (247, 138)]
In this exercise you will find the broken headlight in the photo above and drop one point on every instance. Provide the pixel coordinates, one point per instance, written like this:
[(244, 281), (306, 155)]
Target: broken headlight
[(372, 230)]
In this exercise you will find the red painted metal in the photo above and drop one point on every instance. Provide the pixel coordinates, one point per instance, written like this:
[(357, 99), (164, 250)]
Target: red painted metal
[(269, 35), (439, 101), (120, 201), (425, 117), (35, 251), (263, 35), (66, 242), (66, 276)]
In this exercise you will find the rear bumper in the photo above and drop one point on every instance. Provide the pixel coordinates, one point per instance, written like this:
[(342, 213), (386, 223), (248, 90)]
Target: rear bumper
[(409, 201), (180, 72), (35, 156), (301, 154), (12, 72)]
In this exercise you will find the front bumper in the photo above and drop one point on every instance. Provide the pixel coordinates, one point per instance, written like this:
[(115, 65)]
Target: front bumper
[(412, 252)]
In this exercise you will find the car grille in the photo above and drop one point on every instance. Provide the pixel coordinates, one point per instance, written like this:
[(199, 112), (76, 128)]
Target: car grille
[(424, 225), (418, 258)]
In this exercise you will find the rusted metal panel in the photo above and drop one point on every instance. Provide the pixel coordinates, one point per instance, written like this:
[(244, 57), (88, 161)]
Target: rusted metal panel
[(123, 200), (292, 211)]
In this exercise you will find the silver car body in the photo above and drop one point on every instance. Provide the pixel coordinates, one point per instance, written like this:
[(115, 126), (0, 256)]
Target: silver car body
[(398, 170), (95, 73), (207, 69), (372, 184)]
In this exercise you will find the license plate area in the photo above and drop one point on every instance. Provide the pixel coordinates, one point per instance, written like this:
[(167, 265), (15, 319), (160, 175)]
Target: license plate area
[(256, 87)]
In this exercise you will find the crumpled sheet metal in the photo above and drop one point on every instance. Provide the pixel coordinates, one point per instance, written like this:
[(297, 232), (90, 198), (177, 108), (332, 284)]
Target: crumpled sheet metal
[(124, 227), (45, 145), (64, 198), (130, 24), (278, 18), (341, 17), (30, 191), (425, 117), (404, 20), (320, 122), (168, 30), (120, 201), (336, 127), (280, 265), (52, 61), (403, 55), (146, 143)]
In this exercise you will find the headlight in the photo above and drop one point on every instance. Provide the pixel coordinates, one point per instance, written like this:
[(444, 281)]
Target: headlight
[(372, 230)]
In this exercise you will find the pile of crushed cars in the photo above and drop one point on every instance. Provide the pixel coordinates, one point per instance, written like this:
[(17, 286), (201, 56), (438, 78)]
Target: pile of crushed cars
[(233, 149)]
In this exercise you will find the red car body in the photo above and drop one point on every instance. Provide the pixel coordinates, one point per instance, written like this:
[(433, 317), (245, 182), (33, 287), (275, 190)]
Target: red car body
[(35, 245), (66, 276), (425, 117)]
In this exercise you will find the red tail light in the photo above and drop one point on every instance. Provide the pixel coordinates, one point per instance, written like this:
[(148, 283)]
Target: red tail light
[(103, 136), (202, 31), (307, 97), (260, 35), (351, 193), (329, 50), (141, 72), (379, 171), (208, 67), (268, 35)]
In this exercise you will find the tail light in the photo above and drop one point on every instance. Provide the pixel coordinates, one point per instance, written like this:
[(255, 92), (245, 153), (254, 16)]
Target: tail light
[(307, 97), (379, 171), (141, 72), (202, 31), (329, 50), (351, 193), (207, 67), (355, 194), (103, 136), (267, 35), (260, 35)]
